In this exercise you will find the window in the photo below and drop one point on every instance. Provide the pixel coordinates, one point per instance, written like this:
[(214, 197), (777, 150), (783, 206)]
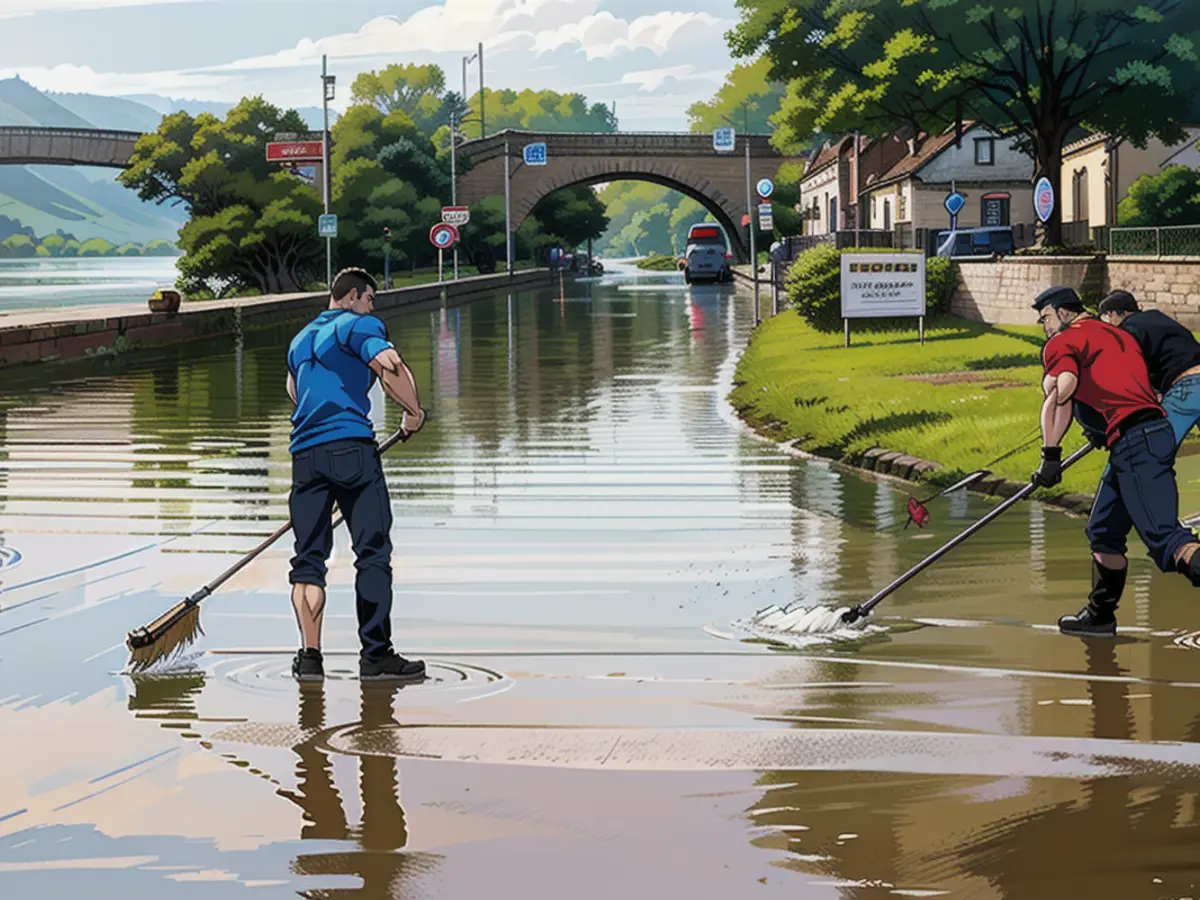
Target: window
[(887, 215), (902, 207), (833, 215), (1080, 187), (985, 151), (995, 210)]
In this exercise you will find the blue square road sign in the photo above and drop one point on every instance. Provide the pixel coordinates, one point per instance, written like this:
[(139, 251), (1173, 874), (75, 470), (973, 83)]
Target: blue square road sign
[(327, 226), (535, 154)]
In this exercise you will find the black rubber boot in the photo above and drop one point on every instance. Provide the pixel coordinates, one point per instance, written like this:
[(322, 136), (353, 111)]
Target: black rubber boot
[(309, 665), (1098, 618)]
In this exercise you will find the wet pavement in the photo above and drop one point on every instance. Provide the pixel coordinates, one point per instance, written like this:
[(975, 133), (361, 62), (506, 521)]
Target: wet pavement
[(575, 530)]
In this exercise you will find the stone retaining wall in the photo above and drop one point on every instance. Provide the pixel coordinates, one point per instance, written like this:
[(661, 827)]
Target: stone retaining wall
[(65, 334), (1000, 292)]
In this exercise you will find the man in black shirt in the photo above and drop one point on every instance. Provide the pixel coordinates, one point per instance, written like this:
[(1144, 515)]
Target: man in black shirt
[(1172, 357)]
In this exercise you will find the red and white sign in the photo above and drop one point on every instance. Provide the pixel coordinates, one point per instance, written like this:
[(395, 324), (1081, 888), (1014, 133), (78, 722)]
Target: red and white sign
[(443, 236), (457, 216), (295, 151)]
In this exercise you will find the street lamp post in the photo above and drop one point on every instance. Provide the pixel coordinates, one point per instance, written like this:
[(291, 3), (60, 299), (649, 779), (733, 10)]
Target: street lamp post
[(327, 94), (507, 211), (454, 181)]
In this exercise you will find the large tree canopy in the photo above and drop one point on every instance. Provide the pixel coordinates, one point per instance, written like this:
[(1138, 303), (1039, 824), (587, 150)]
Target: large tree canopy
[(1038, 69), (747, 100)]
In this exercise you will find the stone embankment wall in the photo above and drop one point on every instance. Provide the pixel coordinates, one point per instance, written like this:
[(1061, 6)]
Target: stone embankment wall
[(67, 333), (1002, 292)]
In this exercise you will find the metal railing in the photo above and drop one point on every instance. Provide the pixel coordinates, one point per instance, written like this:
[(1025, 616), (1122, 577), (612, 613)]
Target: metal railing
[(1169, 240)]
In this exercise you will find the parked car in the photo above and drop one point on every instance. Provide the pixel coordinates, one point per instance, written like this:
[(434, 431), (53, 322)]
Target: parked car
[(993, 241), (707, 257)]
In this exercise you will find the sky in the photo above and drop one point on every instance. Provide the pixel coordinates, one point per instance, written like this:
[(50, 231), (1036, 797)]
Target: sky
[(652, 58)]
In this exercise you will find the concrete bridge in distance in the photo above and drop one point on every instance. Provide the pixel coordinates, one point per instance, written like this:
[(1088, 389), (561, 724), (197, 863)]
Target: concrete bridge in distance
[(21, 146), (683, 161)]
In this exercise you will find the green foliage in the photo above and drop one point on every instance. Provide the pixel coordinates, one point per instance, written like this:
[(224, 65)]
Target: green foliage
[(1170, 197), (646, 219), (54, 246), (747, 101), (1038, 69), (659, 264), (97, 247), (813, 285), (18, 246), (837, 401), (538, 111), (415, 90)]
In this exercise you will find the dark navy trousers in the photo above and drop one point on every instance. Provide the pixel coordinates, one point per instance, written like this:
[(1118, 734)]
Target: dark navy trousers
[(349, 473), (1138, 490)]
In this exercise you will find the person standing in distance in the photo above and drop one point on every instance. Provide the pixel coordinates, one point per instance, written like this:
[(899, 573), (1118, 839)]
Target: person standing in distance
[(332, 365), (1101, 367), (1172, 356)]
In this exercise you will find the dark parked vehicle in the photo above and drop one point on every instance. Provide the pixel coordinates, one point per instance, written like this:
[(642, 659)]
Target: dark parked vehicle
[(707, 257), (996, 241)]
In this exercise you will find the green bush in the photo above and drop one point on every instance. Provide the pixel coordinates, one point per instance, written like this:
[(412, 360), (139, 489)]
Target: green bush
[(814, 287), (1058, 250)]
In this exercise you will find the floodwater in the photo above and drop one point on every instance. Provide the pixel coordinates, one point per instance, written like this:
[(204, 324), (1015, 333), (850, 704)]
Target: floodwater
[(575, 529), (27, 284)]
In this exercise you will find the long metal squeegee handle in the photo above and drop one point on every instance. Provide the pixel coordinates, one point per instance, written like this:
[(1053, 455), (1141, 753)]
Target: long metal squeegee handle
[(958, 539)]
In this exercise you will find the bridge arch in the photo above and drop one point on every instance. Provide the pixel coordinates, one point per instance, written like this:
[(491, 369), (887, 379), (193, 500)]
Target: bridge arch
[(682, 161)]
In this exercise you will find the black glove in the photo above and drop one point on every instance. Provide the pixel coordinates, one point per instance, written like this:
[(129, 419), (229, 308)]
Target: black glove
[(1098, 440), (1049, 473)]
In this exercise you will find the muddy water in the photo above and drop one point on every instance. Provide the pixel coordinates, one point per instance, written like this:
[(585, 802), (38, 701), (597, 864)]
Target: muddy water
[(575, 529)]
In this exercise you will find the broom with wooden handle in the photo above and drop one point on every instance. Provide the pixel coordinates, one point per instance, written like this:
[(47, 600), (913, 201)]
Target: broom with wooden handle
[(179, 626)]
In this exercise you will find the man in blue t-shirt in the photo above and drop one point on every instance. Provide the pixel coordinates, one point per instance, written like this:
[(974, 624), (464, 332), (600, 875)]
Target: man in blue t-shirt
[(332, 365)]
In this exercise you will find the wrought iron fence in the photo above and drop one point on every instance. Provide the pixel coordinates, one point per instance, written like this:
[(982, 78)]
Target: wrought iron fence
[(1171, 240)]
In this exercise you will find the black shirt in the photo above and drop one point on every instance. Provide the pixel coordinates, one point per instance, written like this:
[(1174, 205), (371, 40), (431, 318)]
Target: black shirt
[(1170, 349)]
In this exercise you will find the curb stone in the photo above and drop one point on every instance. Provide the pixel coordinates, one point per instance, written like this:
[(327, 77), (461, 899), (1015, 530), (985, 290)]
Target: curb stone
[(882, 461)]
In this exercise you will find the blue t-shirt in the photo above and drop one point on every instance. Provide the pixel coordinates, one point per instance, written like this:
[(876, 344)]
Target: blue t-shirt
[(328, 360)]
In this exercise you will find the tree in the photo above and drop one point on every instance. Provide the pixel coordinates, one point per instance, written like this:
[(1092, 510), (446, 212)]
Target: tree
[(1038, 69), (573, 214), (539, 111), (1172, 197), (413, 89), (97, 247), (747, 100), (252, 225), (53, 244)]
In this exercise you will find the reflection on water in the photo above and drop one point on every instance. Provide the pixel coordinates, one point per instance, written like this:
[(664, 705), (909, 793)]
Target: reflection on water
[(579, 505), (27, 284)]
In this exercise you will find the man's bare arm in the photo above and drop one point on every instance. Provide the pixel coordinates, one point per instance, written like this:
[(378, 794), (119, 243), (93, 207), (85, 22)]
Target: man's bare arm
[(291, 388), (397, 380), (1056, 410)]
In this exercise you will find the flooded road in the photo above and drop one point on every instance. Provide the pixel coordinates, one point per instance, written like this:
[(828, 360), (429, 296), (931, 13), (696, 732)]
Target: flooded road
[(576, 527)]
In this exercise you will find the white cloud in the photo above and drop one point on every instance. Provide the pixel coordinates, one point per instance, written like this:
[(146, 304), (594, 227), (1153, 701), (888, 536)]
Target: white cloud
[(540, 26), (69, 79), (11, 9), (652, 79)]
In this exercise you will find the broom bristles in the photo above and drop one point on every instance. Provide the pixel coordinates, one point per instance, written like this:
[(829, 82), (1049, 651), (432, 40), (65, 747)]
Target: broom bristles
[(180, 627)]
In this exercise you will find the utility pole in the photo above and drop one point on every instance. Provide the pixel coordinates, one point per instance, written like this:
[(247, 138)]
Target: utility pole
[(750, 212), (507, 209), (466, 60), (482, 119), (454, 181), (327, 89)]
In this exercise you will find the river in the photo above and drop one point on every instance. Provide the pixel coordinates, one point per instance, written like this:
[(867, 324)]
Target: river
[(575, 529), (41, 283)]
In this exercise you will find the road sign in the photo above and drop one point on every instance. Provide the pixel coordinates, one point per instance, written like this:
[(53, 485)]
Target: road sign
[(766, 187), (724, 140), (456, 215), (443, 236), (535, 154), (1043, 199), (766, 219), (295, 151), (954, 203), (327, 226)]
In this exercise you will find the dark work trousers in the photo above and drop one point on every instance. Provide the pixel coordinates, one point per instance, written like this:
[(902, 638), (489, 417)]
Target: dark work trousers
[(349, 473), (1138, 490)]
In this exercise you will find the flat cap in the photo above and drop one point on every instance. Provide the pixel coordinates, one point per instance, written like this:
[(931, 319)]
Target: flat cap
[(1058, 297)]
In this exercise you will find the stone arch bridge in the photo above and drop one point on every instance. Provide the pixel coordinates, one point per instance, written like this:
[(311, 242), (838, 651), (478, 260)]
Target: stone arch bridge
[(682, 161)]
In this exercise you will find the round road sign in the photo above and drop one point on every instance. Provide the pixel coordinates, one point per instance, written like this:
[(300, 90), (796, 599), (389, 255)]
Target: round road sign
[(443, 236), (1043, 199), (766, 187)]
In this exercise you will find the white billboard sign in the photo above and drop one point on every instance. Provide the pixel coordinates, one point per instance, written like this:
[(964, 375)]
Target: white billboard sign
[(883, 285)]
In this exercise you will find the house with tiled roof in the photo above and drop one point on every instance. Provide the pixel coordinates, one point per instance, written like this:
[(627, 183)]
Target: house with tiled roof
[(833, 179), (987, 168), (1088, 168)]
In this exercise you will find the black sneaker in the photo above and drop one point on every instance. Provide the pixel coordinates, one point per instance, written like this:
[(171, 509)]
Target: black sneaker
[(1089, 622), (390, 668), (308, 666)]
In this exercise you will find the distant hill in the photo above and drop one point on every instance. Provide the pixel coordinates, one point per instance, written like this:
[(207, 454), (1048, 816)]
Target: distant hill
[(89, 202)]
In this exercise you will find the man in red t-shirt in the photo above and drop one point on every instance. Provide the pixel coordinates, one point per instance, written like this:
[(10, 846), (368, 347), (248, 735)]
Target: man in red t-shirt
[(1101, 369)]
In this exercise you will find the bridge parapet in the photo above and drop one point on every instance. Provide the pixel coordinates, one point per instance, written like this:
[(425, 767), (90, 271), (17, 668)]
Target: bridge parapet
[(28, 145)]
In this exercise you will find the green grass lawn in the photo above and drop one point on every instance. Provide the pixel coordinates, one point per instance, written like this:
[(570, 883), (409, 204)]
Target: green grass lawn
[(797, 383), (658, 263)]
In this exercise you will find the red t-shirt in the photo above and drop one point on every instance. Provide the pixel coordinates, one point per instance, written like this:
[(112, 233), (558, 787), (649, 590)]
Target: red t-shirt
[(1111, 369)]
